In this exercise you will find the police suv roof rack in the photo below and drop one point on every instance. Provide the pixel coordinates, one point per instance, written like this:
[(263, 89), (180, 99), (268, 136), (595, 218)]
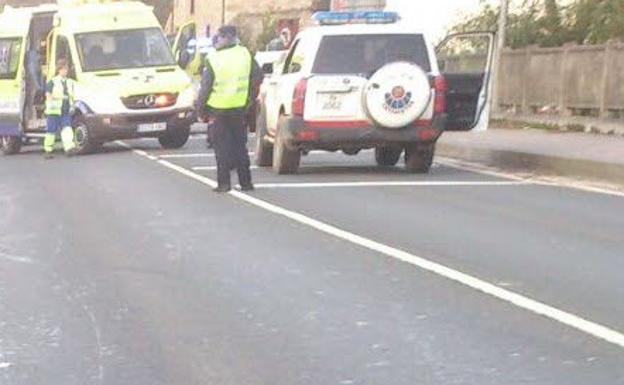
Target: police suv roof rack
[(355, 17)]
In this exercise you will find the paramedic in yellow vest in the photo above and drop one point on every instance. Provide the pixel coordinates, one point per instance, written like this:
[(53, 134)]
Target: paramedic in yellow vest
[(59, 103), (228, 89)]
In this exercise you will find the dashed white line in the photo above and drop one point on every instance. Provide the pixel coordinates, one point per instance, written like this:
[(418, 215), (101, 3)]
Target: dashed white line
[(591, 328)]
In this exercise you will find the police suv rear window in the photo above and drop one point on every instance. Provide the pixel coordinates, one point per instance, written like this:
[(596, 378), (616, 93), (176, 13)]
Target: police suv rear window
[(365, 54)]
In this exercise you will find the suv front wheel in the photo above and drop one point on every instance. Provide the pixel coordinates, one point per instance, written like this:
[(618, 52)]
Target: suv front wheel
[(264, 150), (419, 157), (285, 160)]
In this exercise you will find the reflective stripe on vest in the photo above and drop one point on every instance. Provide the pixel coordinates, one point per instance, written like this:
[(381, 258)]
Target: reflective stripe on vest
[(232, 72), (54, 104)]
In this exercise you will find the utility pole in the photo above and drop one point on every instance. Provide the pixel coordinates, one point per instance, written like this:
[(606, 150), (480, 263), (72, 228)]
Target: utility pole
[(222, 12), (500, 45)]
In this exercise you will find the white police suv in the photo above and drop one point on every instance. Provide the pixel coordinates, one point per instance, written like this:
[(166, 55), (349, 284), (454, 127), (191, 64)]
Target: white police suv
[(362, 80)]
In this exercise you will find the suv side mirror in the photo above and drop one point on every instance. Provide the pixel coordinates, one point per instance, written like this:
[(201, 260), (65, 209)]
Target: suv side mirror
[(267, 68)]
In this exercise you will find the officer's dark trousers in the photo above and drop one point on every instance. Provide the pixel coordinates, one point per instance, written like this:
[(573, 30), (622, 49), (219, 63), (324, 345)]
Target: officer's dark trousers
[(229, 136)]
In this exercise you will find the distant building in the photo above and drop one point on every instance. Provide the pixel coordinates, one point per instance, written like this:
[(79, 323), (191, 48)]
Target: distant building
[(357, 4), (24, 3), (251, 15)]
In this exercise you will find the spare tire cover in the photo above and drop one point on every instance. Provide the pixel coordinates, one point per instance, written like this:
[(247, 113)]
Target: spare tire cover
[(397, 95)]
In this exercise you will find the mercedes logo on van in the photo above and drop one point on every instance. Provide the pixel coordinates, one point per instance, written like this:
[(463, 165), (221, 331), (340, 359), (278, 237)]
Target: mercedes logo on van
[(150, 101)]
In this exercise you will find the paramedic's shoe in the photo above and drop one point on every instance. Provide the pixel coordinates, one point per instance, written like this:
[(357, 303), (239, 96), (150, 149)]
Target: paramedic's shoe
[(248, 188)]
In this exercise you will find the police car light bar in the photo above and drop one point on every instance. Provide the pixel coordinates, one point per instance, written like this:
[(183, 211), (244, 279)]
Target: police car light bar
[(359, 17)]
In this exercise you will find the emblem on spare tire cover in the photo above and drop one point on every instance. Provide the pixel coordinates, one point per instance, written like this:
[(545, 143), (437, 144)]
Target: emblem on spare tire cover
[(398, 100)]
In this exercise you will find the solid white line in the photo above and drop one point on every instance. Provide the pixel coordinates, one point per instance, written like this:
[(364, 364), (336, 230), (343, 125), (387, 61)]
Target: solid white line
[(537, 180), (563, 317), (211, 155), (183, 156), (197, 155), (387, 184), (213, 168)]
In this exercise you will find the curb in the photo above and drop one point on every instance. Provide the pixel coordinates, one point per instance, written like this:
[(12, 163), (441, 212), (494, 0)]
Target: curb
[(535, 163)]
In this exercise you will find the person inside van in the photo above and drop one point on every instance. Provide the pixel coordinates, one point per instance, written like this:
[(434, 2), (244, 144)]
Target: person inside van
[(96, 58), (59, 103)]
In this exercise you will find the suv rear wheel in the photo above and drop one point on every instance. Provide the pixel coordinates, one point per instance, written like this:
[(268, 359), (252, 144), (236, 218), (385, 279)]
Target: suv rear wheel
[(387, 156), (10, 145), (419, 157), (285, 160)]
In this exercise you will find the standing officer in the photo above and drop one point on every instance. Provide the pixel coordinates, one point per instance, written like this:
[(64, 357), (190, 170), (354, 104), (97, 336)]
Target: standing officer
[(228, 88), (59, 103)]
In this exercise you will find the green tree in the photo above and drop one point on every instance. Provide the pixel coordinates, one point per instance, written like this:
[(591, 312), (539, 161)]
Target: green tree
[(551, 23), (596, 21), (547, 23)]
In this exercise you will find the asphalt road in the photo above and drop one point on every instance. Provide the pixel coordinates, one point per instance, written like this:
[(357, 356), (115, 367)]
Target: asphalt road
[(124, 268)]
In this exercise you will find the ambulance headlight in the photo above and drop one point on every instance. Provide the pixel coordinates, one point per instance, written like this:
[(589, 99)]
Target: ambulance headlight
[(187, 97)]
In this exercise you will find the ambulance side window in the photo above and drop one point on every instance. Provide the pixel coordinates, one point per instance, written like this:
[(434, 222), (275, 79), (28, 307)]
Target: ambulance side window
[(63, 52)]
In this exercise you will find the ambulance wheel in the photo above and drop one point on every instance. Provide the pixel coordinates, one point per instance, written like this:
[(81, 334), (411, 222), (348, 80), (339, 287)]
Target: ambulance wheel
[(387, 156), (85, 144), (264, 149), (419, 157), (285, 160), (175, 138), (10, 145)]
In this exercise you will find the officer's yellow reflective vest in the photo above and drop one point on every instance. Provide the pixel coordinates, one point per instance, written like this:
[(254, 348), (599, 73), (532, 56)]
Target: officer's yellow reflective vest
[(232, 73), (54, 103)]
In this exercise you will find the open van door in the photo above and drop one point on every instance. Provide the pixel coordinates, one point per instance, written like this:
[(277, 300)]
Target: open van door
[(11, 93), (185, 48), (466, 60)]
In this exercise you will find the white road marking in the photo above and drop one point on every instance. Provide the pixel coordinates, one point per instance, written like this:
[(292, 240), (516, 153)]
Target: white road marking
[(211, 155), (535, 179), (15, 258), (519, 300), (183, 156), (4, 365), (388, 184), (214, 168)]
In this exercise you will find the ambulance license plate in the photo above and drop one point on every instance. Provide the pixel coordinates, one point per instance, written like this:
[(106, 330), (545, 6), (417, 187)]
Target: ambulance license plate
[(152, 127)]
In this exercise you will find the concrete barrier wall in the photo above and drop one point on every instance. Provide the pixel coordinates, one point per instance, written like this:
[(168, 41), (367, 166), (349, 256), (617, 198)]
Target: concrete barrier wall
[(567, 80)]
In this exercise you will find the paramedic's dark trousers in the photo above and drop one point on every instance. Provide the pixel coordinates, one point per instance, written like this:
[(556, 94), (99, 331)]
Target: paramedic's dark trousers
[(229, 138)]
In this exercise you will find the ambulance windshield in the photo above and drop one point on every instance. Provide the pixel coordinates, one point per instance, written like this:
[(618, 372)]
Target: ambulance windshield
[(138, 48), (10, 49)]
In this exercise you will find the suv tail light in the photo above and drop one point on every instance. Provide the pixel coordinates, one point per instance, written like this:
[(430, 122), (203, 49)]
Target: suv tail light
[(440, 87), (299, 96)]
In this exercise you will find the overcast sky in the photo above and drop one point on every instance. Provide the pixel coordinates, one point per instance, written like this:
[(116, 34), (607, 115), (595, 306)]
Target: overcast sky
[(434, 16)]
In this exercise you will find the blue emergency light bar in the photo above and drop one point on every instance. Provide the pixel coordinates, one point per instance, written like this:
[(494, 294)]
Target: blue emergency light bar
[(355, 17)]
